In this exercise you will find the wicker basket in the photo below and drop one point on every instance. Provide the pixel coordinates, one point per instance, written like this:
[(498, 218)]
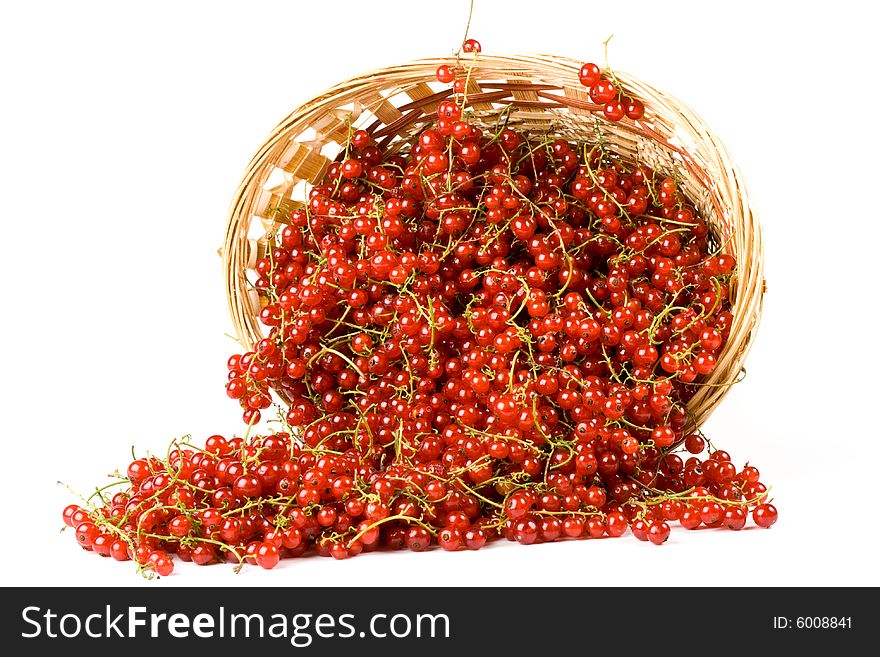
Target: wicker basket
[(541, 94)]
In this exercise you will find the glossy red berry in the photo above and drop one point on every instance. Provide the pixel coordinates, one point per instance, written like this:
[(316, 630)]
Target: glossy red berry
[(634, 108), (471, 45), (658, 532), (267, 555), (765, 515), (589, 74), (445, 73)]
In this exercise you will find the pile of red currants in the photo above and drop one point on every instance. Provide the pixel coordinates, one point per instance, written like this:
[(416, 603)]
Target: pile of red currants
[(482, 333)]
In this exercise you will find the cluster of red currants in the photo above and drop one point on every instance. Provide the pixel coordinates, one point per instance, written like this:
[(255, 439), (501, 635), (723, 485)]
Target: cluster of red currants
[(610, 95), (270, 497), (482, 333)]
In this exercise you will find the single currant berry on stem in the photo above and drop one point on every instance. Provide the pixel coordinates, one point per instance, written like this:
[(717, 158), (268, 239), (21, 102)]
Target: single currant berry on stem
[(589, 74), (471, 45), (613, 111), (765, 515), (68, 513), (634, 108), (658, 532), (445, 73), (267, 555)]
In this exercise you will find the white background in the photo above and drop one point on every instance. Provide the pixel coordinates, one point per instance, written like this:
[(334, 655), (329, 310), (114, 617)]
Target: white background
[(125, 128)]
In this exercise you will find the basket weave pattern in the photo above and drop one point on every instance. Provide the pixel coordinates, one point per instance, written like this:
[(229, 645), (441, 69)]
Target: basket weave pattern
[(539, 94)]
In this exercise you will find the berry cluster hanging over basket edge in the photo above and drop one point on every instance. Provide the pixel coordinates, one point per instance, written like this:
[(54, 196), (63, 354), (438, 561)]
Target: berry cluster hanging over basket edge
[(481, 333)]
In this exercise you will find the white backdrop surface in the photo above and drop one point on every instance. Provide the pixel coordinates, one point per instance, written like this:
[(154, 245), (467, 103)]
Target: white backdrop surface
[(125, 128)]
